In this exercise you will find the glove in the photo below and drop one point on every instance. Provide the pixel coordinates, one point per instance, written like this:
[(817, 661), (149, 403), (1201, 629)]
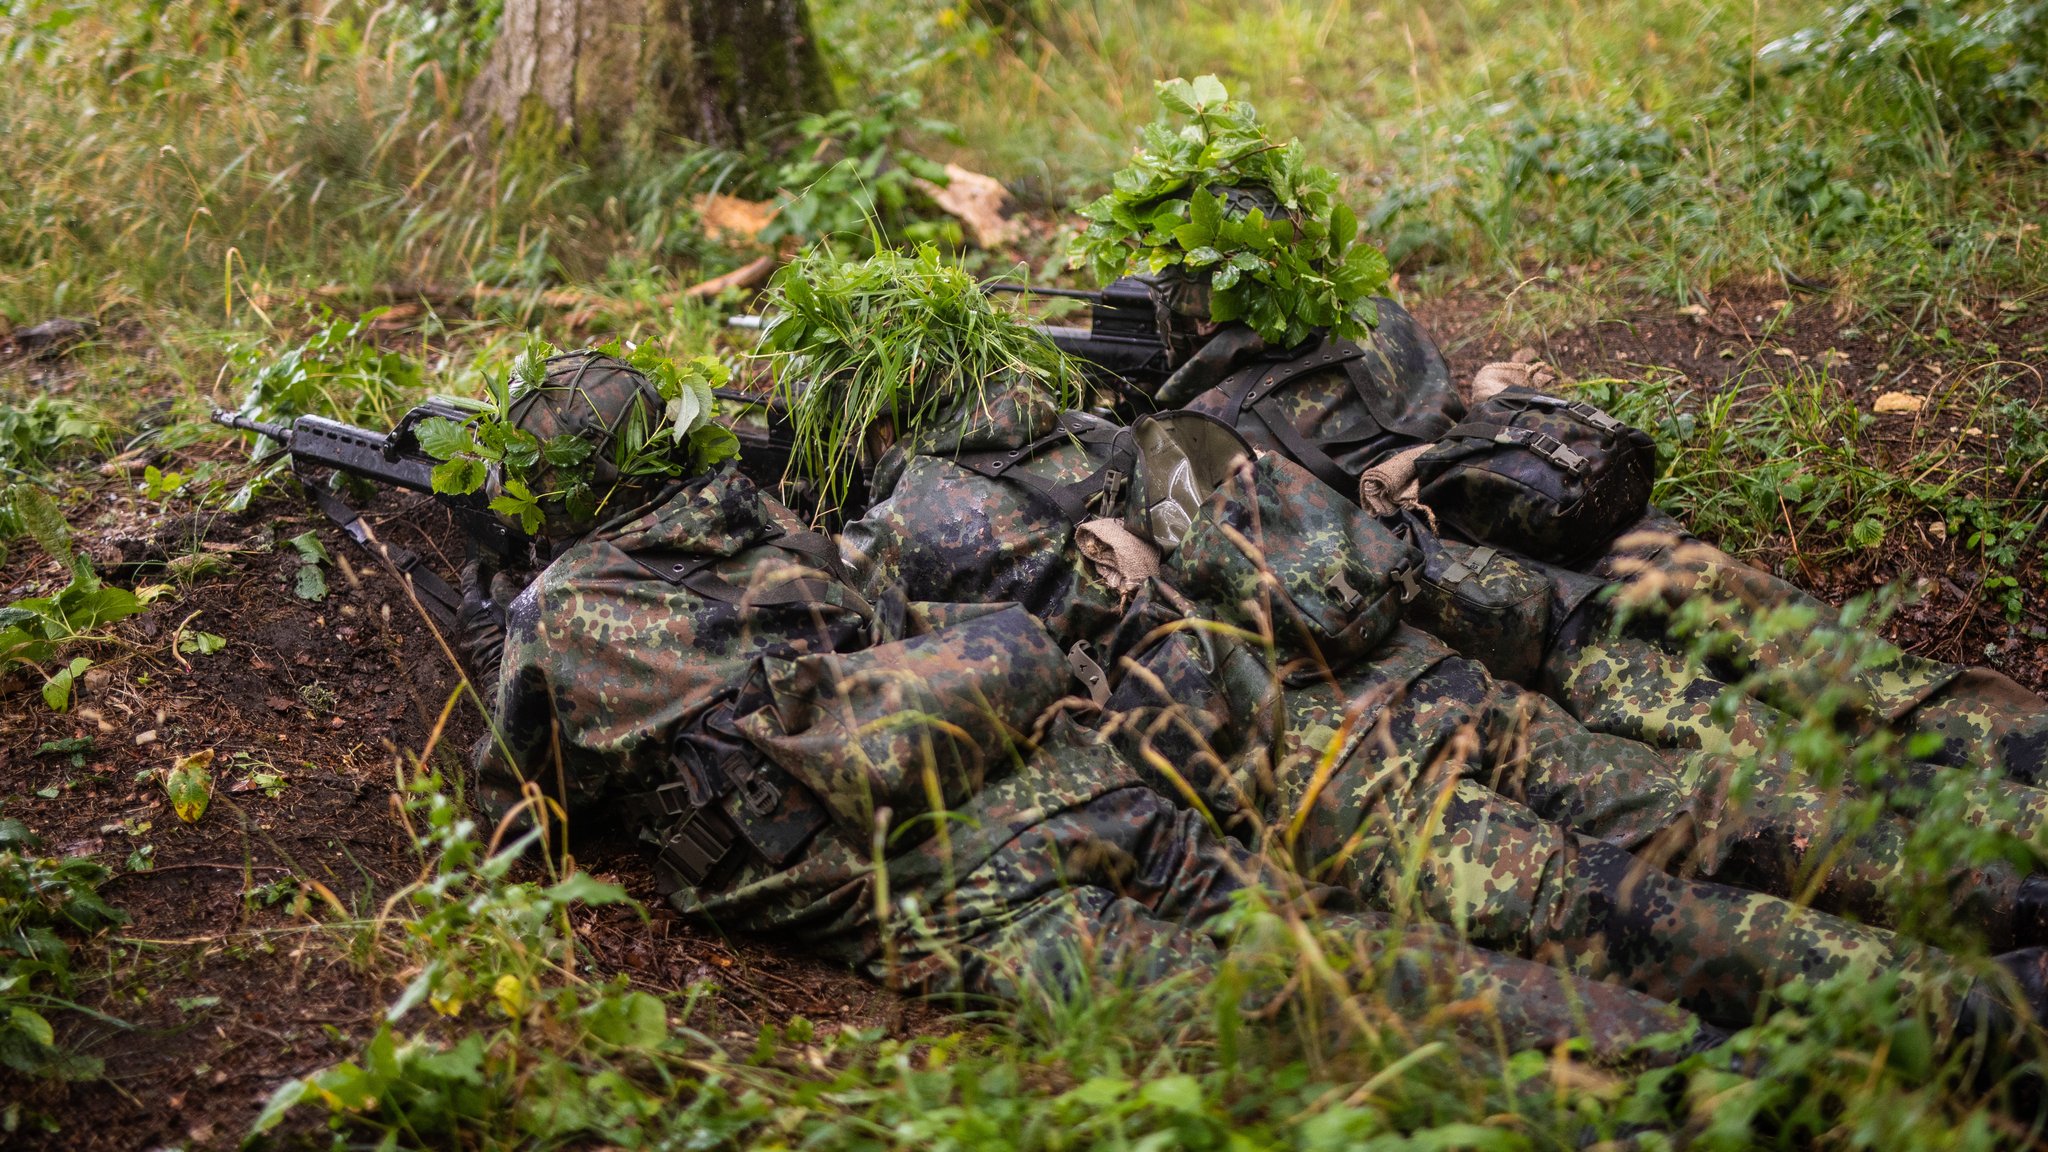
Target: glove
[(486, 594)]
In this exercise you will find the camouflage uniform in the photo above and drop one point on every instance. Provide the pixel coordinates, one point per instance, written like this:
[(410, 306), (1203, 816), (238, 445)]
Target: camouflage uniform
[(867, 774), (942, 526), (1982, 716), (1636, 685)]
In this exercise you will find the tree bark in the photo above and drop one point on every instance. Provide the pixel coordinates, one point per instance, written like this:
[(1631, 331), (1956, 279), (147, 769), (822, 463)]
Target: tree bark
[(610, 72)]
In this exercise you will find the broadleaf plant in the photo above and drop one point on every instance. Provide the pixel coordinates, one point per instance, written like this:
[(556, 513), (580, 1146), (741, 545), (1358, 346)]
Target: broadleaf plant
[(533, 474), (1287, 275)]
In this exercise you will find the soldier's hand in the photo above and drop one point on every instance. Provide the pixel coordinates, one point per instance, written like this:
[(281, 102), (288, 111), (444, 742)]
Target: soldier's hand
[(481, 622)]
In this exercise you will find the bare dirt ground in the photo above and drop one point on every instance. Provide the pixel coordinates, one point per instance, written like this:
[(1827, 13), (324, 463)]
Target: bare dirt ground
[(216, 990)]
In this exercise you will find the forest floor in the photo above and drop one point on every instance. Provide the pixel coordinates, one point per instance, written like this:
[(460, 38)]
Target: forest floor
[(230, 978)]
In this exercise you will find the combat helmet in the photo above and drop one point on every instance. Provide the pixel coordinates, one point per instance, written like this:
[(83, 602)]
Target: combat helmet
[(596, 400), (1232, 226)]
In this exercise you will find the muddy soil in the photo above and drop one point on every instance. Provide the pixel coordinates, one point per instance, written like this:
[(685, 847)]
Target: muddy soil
[(219, 987)]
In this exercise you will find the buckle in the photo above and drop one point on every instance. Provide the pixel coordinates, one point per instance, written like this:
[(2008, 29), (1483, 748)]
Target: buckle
[(1553, 450), (1112, 492), (1410, 587), (671, 800), (1594, 416), (1350, 597), (1081, 663), (761, 797), (699, 845)]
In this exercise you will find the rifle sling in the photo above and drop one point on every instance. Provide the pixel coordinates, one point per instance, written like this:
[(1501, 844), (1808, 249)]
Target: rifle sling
[(440, 600)]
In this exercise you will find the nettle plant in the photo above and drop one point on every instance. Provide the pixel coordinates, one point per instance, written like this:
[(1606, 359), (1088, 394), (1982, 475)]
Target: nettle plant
[(535, 476), (1303, 268)]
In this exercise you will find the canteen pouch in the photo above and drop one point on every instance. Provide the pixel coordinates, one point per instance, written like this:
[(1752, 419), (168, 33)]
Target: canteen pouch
[(1337, 576), (1550, 478)]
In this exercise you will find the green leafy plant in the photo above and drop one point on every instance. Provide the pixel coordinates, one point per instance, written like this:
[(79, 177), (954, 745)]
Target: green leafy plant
[(1983, 65), (40, 630), (41, 897), (540, 1050), (684, 441), (335, 371), (1302, 269), (34, 434), (850, 175), (896, 337), (310, 583)]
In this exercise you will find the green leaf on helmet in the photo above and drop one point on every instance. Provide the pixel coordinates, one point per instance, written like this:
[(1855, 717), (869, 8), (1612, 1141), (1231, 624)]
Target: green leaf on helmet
[(566, 451), (1288, 271), (517, 501), (712, 445), (521, 448)]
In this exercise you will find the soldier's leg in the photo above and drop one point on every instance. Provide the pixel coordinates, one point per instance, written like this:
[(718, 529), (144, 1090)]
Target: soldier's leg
[(1984, 716), (1131, 885), (1782, 828), (1512, 881)]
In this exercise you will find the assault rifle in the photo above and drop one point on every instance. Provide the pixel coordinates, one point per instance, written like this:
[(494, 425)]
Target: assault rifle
[(395, 459)]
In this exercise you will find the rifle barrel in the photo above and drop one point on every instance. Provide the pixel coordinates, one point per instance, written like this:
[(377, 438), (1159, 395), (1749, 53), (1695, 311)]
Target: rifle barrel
[(278, 432), (1065, 293)]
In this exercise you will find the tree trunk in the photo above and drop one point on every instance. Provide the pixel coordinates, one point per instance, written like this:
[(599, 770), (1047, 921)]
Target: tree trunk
[(613, 71)]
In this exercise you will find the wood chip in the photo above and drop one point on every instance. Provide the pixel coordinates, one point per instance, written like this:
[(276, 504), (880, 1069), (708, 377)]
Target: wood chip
[(1904, 402)]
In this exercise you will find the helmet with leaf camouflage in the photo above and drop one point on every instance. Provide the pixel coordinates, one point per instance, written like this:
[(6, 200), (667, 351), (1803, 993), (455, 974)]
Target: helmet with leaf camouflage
[(572, 437), (1230, 225), (587, 408)]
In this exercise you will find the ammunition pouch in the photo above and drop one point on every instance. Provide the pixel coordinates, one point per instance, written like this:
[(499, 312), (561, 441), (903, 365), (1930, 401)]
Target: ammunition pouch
[(726, 805)]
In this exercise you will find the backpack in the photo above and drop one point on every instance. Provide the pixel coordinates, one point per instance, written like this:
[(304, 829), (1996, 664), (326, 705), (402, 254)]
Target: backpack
[(1550, 478)]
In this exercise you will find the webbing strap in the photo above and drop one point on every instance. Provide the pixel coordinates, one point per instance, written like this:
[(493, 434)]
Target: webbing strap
[(1257, 382), (441, 601), (694, 573), (1255, 387), (1073, 499), (1548, 447)]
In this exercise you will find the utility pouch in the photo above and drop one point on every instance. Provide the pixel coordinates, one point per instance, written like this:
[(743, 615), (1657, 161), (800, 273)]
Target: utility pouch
[(724, 798), (1551, 478), (1274, 546), (1484, 604)]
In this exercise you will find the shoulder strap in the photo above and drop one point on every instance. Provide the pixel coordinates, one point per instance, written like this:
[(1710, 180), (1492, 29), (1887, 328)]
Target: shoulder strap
[(1072, 500), (1255, 383), (1253, 387)]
